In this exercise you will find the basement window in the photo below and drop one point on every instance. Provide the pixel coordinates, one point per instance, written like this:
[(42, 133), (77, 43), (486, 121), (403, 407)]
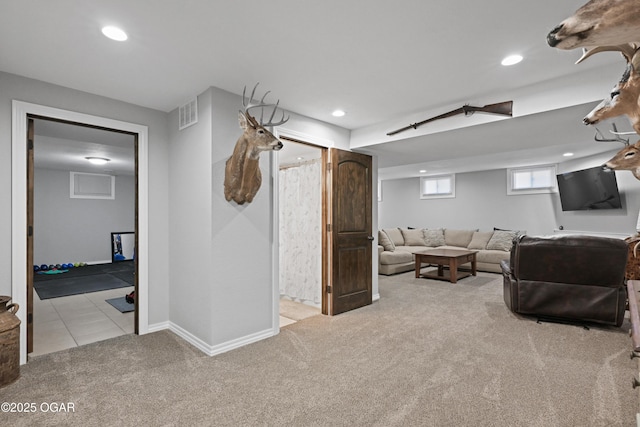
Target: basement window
[(91, 186), (532, 180), (438, 187)]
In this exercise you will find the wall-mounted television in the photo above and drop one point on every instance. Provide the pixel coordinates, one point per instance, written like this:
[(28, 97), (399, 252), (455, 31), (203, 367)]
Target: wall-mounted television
[(587, 189)]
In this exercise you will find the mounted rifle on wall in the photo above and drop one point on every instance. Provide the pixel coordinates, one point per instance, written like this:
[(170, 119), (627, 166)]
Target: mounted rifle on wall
[(501, 108)]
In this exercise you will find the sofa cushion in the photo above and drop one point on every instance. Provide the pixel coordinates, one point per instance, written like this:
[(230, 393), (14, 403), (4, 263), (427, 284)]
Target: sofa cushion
[(397, 257), (434, 237), (460, 238), (412, 249), (480, 239), (412, 237), (491, 256), (385, 241), (502, 240), (395, 235)]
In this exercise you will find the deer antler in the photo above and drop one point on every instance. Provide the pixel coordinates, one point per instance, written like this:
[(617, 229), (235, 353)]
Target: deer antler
[(627, 50), (252, 104)]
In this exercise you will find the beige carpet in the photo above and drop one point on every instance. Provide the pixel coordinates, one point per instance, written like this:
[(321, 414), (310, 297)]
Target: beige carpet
[(428, 353)]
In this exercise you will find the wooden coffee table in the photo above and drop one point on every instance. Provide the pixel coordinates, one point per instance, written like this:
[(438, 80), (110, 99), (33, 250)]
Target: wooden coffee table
[(451, 257)]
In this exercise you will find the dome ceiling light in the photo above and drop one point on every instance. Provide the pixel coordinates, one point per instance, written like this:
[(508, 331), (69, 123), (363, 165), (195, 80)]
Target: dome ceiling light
[(98, 160), (511, 60), (114, 33)]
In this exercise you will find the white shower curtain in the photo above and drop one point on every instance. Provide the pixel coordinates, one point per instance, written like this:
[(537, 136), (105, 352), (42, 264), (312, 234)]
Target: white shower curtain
[(300, 233)]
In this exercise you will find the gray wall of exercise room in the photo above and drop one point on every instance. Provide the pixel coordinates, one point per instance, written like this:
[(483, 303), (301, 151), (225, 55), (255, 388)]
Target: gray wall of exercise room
[(482, 202), (77, 230)]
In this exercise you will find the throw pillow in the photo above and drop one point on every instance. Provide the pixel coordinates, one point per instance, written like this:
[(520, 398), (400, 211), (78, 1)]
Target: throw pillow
[(434, 237), (458, 237), (412, 237), (480, 239), (385, 241), (518, 232), (395, 235), (502, 240)]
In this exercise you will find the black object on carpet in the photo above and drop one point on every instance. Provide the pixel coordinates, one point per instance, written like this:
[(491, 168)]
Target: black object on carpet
[(81, 280), (121, 304)]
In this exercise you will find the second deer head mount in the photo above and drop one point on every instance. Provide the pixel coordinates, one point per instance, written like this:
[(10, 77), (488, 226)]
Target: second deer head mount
[(626, 159), (242, 176), (625, 95)]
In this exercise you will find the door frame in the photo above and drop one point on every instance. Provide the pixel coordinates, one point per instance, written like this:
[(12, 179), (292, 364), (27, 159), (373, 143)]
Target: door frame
[(323, 144), (20, 112)]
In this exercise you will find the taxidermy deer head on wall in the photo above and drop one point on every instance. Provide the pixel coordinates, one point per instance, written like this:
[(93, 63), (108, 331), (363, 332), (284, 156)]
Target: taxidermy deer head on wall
[(625, 96), (598, 23), (242, 177), (626, 159)]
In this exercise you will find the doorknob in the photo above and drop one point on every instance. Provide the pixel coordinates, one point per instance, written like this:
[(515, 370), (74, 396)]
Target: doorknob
[(370, 237)]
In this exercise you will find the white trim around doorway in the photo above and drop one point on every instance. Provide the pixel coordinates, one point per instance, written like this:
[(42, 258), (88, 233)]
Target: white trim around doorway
[(20, 111)]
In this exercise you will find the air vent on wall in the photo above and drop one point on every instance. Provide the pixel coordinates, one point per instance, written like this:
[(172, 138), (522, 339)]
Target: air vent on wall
[(188, 114)]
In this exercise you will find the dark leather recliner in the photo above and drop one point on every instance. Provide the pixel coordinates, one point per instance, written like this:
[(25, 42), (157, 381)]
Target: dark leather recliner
[(573, 278)]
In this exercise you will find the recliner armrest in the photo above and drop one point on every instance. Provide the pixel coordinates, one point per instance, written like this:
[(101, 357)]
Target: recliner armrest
[(505, 267)]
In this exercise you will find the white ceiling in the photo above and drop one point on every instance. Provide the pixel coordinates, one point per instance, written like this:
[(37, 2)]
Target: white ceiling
[(385, 63), (65, 146)]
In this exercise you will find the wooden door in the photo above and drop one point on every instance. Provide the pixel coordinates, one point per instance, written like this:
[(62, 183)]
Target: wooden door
[(29, 266), (350, 226)]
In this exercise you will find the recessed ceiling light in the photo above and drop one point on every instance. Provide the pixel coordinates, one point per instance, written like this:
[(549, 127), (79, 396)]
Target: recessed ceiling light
[(338, 113), (299, 158), (511, 60), (423, 171), (568, 154), (114, 33), (97, 160)]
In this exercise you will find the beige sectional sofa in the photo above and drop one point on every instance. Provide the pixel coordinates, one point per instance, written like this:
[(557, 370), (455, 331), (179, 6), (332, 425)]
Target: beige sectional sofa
[(396, 246)]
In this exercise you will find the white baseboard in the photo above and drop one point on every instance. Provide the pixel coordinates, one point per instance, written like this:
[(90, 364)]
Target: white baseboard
[(375, 297), (158, 327), (212, 350)]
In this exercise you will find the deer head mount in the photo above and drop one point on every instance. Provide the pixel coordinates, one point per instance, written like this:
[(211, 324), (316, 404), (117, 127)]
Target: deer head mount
[(242, 176), (598, 23), (625, 95), (626, 159)]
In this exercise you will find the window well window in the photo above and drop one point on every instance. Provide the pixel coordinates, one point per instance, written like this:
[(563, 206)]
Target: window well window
[(434, 187), (532, 180)]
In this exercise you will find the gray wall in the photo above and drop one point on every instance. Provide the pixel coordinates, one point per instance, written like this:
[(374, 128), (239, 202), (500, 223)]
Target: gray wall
[(192, 273), (77, 230), (37, 92), (481, 202), (242, 236)]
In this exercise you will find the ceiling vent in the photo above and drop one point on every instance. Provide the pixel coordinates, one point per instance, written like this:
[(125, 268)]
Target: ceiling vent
[(188, 114)]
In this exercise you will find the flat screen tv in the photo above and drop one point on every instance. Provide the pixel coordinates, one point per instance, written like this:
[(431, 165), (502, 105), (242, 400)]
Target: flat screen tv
[(587, 189)]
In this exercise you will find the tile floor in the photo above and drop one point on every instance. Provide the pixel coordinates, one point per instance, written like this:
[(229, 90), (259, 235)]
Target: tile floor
[(65, 322)]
